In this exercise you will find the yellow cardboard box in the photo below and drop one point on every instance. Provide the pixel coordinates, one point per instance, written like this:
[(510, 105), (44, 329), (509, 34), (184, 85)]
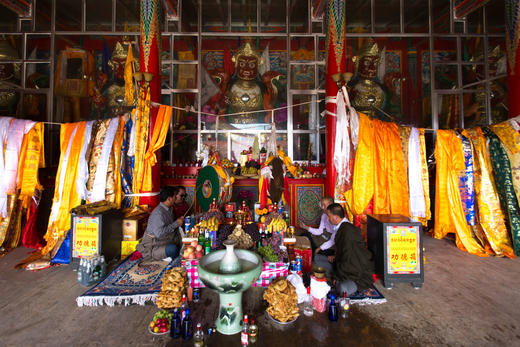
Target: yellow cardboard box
[(127, 248), (134, 227)]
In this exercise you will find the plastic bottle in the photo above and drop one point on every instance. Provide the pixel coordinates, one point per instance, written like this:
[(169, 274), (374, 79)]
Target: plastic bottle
[(308, 310), (187, 326), (80, 270), (253, 332), (344, 305), (198, 338), (244, 335), (175, 328), (184, 307), (333, 310)]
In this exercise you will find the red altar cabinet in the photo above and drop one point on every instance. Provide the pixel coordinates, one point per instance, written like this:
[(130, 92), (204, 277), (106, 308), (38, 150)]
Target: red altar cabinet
[(305, 196)]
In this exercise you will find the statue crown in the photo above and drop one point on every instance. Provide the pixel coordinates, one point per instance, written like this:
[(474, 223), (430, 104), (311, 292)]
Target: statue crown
[(247, 50)]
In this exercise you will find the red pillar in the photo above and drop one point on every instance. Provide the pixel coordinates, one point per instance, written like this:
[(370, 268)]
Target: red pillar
[(513, 81), (336, 65), (149, 61)]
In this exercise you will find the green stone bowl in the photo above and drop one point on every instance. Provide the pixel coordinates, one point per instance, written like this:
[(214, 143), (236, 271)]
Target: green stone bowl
[(229, 287)]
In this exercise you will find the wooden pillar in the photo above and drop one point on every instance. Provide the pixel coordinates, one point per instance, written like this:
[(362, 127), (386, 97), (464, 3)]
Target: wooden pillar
[(149, 61), (336, 66)]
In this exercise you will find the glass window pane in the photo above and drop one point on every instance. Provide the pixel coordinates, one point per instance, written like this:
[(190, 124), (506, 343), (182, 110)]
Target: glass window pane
[(305, 117), (220, 146), (183, 120), (184, 76), (387, 16), (495, 16), (127, 14), (449, 111), (357, 15), (68, 15), (298, 16), (43, 19), (7, 19), (415, 17), (441, 15), (302, 76), (184, 147), (273, 16), (243, 15), (189, 16), (214, 15), (99, 15), (475, 22), (186, 47), (304, 147)]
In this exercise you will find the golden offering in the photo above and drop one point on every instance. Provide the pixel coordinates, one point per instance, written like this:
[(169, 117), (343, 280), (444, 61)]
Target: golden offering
[(282, 299)]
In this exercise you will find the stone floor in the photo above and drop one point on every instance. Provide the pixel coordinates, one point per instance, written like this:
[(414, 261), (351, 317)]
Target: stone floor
[(465, 301)]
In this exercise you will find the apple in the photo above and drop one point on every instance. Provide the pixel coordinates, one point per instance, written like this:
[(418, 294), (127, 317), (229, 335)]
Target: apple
[(191, 256), (193, 243), (189, 250), (199, 248), (163, 330), (199, 255)]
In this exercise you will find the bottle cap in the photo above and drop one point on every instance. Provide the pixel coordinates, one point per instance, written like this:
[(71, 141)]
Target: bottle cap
[(187, 311), (198, 326), (252, 322), (245, 318), (308, 289)]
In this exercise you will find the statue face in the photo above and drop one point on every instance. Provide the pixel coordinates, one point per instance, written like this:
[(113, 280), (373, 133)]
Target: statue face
[(368, 67), (119, 68), (6, 71), (247, 68), (101, 79)]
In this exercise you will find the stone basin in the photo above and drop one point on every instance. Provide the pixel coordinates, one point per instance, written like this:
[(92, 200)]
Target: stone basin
[(229, 286)]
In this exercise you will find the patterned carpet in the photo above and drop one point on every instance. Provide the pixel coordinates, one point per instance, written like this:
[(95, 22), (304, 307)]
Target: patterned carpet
[(131, 282), (368, 297)]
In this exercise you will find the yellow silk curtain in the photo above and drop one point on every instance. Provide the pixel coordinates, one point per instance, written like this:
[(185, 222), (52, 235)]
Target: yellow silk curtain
[(449, 213), (31, 158), (160, 130), (510, 138), (362, 190), (142, 125), (391, 190), (69, 198), (490, 214)]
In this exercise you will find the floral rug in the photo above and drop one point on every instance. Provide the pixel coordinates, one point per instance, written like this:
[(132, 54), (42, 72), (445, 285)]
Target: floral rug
[(368, 297), (131, 282)]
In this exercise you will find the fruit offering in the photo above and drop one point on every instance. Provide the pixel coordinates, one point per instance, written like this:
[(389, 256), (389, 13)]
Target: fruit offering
[(274, 243), (282, 299), (268, 253), (211, 224), (226, 163), (174, 284), (244, 240), (277, 225), (161, 322), (193, 251)]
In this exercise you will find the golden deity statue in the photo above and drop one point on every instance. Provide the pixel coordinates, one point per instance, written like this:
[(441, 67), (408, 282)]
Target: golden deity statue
[(367, 93)]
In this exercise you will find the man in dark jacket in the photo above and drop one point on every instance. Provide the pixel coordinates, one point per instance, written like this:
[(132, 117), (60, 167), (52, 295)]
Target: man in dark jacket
[(352, 265), (162, 237)]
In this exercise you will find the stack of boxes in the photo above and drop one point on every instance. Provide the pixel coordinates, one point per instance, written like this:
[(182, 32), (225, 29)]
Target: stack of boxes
[(133, 229)]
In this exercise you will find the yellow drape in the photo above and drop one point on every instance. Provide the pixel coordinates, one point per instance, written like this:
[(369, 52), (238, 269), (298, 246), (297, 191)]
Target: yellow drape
[(449, 213), (160, 130), (129, 85), (490, 214), (362, 190), (142, 125), (31, 158), (390, 186), (70, 198), (425, 178), (113, 182), (510, 138)]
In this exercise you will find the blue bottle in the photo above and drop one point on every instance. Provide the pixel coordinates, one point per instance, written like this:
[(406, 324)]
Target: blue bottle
[(333, 309), (187, 326), (175, 328)]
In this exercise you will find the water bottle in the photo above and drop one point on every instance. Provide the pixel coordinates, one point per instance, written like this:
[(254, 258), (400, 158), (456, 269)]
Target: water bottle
[(175, 328), (187, 326), (333, 310)]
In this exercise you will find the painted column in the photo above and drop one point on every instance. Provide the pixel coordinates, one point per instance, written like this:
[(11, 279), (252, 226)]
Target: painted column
[(336, 66), (149, 61)]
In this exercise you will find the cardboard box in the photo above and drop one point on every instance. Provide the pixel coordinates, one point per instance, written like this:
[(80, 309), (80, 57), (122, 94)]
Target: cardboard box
[(134, 227), (127, 248)]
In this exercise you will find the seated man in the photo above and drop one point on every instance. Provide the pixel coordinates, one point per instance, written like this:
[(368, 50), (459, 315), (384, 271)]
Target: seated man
[(352, 265), (322, 237), (180, 206), (162, 238)]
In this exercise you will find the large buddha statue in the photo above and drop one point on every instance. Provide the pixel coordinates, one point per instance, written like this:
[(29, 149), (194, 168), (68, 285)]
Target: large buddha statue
[(115, 91), (247, 90), (368, 94)]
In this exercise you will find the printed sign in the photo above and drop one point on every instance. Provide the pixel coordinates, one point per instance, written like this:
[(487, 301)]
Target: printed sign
[(86, 238), (403, 250)]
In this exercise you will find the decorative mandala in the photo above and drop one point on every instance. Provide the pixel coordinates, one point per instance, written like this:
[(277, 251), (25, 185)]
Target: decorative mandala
[(309, 210)]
